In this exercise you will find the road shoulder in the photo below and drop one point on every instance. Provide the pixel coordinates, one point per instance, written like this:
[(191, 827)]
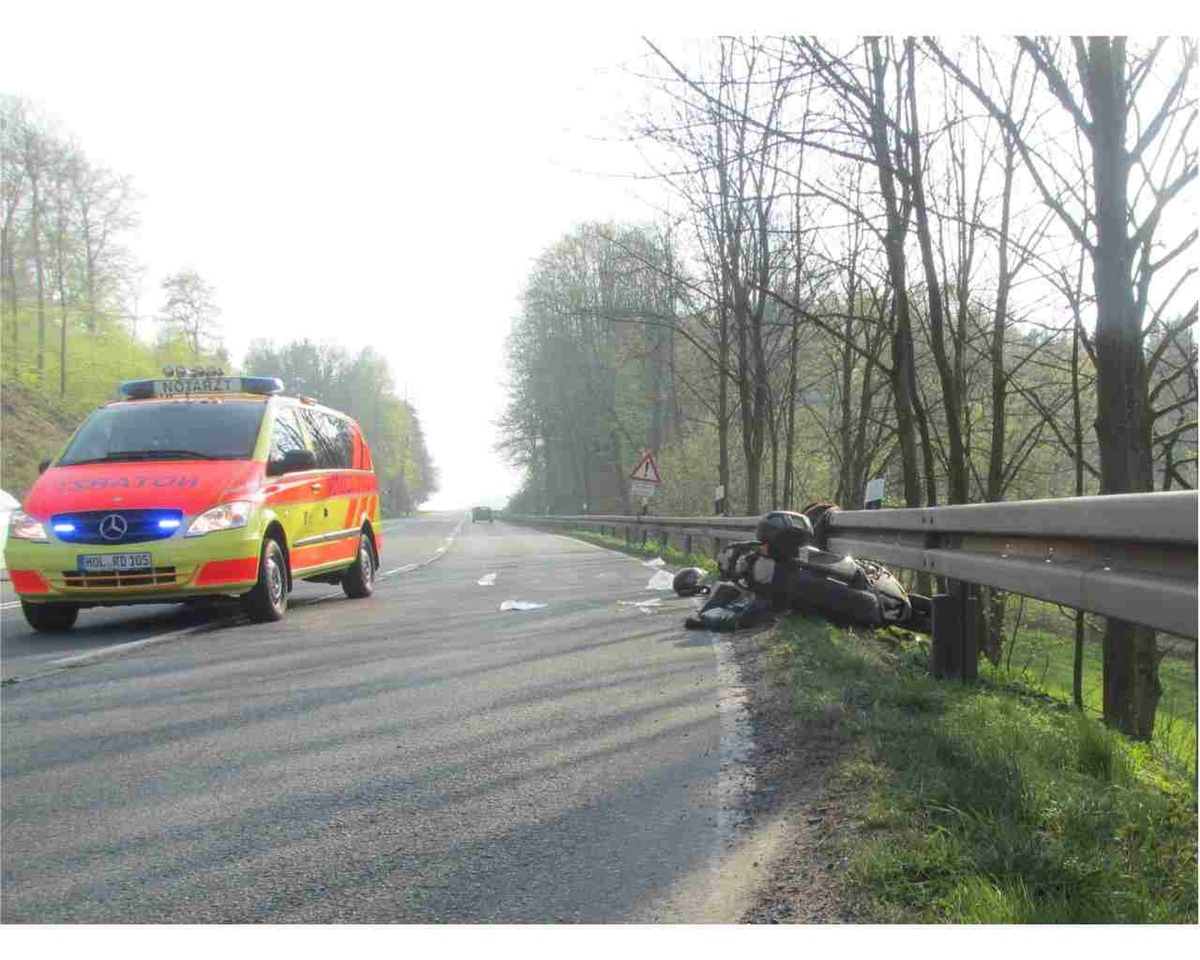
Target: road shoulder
[(791, 806)]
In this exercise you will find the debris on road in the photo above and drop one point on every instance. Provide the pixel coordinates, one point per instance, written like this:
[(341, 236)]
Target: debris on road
[(656, 562), (661, 581), (646, 606), (520, 605), (487, 580)]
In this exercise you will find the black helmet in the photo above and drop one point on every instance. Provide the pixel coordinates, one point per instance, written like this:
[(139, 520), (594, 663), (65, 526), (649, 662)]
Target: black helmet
[(784, 533), (687, 582)]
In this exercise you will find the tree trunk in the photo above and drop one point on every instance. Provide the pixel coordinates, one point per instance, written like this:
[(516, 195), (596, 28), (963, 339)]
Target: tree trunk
[(1122, 428), (903, 373), (723, 403), (789, 466), (951, 395), (35, 232)]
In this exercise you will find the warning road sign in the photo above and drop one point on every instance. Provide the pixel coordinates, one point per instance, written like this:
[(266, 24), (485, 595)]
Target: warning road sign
[(647, 469)]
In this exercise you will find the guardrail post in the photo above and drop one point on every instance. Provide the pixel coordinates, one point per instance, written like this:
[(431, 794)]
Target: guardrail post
[(970, 641), (946, 626), (954, 644)]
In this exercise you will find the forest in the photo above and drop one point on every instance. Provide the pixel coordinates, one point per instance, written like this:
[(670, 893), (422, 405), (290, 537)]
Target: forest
[(74, 320), (966, 267)]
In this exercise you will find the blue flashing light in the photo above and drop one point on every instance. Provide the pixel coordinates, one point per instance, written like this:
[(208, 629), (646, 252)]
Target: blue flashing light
[(137, 389), (168, 524), (64, 528), (264, 385)]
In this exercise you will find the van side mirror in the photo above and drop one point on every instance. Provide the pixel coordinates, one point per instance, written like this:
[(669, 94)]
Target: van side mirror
[(43, 466), (293, 461)]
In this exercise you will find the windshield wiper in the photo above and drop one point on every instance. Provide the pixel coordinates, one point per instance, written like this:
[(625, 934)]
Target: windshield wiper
[(144, 455)]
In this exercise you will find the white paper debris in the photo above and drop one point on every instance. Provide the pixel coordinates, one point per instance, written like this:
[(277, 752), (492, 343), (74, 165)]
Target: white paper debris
[(487, 580), (520, 605), (646, 606), (656, 562), (661, 580)]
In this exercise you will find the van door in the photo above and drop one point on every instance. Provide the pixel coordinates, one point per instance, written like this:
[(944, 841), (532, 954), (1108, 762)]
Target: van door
[(333, 442), (291, 496)]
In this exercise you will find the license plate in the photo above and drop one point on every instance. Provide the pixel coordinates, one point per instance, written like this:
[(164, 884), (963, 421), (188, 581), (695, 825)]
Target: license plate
[(113, 562)]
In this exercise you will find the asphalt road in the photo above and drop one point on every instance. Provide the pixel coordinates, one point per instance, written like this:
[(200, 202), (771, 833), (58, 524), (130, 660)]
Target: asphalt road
[(418, 756)]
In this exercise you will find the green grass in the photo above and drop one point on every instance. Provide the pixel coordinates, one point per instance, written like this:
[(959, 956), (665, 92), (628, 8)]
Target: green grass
[(990, 802), (1043, 655)]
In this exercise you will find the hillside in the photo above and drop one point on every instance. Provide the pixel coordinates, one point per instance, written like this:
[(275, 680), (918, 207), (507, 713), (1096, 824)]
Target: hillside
[(32, 427)]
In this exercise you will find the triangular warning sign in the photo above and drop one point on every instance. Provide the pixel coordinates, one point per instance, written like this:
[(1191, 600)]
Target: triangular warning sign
[(646, 469)]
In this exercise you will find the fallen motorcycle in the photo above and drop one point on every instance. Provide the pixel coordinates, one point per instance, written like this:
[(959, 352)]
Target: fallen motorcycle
[(782, 569)]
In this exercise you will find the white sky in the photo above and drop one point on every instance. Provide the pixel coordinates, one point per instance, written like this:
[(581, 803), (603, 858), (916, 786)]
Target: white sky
[(360, 174), (361, 178)]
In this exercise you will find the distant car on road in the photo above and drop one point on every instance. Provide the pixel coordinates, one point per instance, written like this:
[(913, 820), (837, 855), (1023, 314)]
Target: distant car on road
[(481, 513)]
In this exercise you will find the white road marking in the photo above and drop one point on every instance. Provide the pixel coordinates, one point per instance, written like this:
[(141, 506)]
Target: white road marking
[(408, 567), (487, 580), (118, 648), (12, 604)]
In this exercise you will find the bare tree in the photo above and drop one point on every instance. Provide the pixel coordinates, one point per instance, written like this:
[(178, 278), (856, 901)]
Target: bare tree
[(191, 311), (1102, 93)]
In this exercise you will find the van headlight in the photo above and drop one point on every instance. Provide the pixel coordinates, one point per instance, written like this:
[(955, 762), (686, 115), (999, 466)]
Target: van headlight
[(227, 516), (21, 526)]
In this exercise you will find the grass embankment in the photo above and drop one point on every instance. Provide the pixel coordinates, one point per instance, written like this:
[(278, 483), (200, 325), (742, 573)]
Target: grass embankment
[(1041, 653), (651, 548), (988, 802), (33, 428)]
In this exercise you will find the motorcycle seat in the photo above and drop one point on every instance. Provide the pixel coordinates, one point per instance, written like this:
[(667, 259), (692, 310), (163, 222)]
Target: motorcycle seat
[(833, 566)]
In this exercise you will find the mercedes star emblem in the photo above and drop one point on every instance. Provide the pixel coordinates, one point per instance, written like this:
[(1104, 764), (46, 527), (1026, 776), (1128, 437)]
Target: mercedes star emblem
[(113, 527)]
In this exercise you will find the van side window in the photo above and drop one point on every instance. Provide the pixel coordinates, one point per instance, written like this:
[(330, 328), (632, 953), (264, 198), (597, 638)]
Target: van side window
[(332, 439), (285, 434)]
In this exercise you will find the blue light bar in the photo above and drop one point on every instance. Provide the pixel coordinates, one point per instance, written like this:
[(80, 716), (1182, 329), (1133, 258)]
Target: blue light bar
[(169, 524), (64, 528)]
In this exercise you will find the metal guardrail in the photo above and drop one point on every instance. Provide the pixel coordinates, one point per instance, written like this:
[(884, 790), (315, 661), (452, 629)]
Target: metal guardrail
[(1127, 556)]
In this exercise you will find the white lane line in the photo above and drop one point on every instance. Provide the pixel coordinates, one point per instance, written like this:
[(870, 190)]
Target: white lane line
[(437, 554), (118, 648), (12, 604)]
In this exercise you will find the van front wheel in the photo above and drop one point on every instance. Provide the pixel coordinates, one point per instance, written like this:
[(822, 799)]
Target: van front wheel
[(49, 617), (268, 600), (359, 580)]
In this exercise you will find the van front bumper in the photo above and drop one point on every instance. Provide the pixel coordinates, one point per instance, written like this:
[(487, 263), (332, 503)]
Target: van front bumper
[(224, 563)]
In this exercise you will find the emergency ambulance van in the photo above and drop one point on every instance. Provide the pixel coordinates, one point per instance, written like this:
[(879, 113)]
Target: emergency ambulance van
[(195, 486)]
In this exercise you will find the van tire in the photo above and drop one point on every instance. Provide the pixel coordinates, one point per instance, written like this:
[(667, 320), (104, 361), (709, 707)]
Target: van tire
[(359, 579), (49, 617), (267, 602)]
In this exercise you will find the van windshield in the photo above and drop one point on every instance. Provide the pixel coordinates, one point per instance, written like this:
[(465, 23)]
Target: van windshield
[(188, 430)]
